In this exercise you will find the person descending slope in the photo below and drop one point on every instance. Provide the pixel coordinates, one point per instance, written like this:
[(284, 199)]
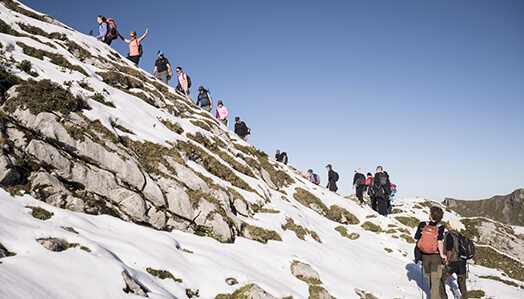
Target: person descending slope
[(241, 129), (278, 156), (163, 68), (284, 158), (381, 190), (369, 186), (429, 238), (222, 113), (204, 99), (103, 30), (184, 82), (135, 46), (359, 182), (332, 179), (454, 264)]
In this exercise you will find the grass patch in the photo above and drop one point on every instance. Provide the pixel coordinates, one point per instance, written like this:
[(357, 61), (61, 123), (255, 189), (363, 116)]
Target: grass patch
[(388, 250), (341, 215), (308, 280), (56, 58), (76, 132), (408, 221), (201, 124), (260, 234), (45, 96), (510, 283), (121, 128), (269, 211), (151, 154), (488, 257), (300, 231), (371, 227), (316, 292), (25, 66), (344, 233), (101, 99), (365, 295), (40, 213), (173, 126), (309, 200), (476, 294), (163, 274), (120, 81), (7, 252), (238, 294), (79, 52), (38, 31), (69, 229), (408, 238), (12, 5), (7, 80)]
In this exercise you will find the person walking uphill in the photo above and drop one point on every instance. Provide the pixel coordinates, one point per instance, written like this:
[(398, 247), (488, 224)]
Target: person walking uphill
[(454, 264), (241, 129), (429, 238), (204, 99), (332, 179), (163, 68), (135, 48), (222, 113), (381, 189), (359, 182)]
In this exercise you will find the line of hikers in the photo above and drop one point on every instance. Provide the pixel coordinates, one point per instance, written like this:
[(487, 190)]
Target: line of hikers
[(107, 32), (443, 254)]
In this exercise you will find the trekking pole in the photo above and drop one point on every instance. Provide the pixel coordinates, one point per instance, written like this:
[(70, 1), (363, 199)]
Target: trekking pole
[(451, 285), (421, 281)]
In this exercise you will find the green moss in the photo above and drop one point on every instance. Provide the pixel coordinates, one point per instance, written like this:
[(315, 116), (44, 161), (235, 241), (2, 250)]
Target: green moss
[(260, 234), (7, 80), (341, 215), (101, 99), (79, 52), (344, 233), (269, 211), (40, 213), (26, 66), (309, 200), (371, 227), (476, 294), (45, 96), (163, 274), (120, 81), (408, 221), (389, 250), (299, 230), (238, 294), (56, 58), (76, 132), (315, 291), (152, 154), (408, 238), (173, 126), (84, 248), (5, 28), (489, 257)]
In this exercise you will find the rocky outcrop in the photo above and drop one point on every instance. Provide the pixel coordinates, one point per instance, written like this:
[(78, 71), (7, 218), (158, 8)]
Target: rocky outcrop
[(507, 209), (132, 286)]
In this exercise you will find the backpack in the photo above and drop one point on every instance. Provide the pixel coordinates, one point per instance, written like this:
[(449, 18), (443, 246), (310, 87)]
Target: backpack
[(335, 176), (188, 81), (112, 32), (360, 182), (466, 248), (428, 242), (140, 50), (316, 179), (383, 180)]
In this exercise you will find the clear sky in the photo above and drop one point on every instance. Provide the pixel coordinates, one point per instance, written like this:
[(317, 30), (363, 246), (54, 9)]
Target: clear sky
[(431, 90)]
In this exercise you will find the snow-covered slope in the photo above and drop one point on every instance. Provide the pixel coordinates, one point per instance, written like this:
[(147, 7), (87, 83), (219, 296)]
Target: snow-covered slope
[(197, 201)]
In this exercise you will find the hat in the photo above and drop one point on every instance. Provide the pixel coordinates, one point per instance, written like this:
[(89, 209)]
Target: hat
[(455, 224), (160, 52), (310, 171), (220, 102), (200, 88), (278, 151), (358, 170)]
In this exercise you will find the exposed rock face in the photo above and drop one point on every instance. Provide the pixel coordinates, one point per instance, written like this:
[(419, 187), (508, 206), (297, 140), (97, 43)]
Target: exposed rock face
[(256, 292), (53, 244), (507, 209), (133, 286), (501, 237), (304, 271)]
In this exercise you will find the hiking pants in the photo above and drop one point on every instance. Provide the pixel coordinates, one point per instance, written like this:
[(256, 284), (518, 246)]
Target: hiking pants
[(373, 202), (432, 264), (360, 195), (162, 76), (461, 280), (206, 108), (224, 121), (382, 206)]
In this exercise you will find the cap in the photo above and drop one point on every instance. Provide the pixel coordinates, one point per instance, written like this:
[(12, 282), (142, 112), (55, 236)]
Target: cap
[(278, 151), (160, 52), (200, 88), (220, 102)]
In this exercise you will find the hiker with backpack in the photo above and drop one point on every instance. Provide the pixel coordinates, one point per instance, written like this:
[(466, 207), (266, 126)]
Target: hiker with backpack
[(184, 81), (454, 262), (359, 182), (369, 184), (332, 178), (381, 190), (430, 249), (278, 156), (135, 48), (222, 113), (163, 68), (284, 158), (107, 31), (241, 129), (204, 99), (313, 177)]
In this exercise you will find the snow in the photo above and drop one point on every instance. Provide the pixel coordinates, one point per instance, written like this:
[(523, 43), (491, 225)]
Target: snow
[(116, 245)]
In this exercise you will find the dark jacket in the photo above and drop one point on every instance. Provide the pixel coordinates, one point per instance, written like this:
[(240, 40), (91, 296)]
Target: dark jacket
[(161, 64), (359, 177), (284, 158), (203, 99), (241, 129), (332, 184), (379, 189), (279, 157)]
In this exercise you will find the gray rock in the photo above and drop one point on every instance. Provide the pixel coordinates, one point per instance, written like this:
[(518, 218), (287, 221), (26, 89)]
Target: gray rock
[(131, 203), (18, 137), (219, 227), (231, 281), (256, 292), (54, 244), (95, 180), (8, 174), (153, 193), (51, 156), (178, 202), (156, 217), (133, 286), (188, 177), (47, 187), (304, 271), (267, 178)]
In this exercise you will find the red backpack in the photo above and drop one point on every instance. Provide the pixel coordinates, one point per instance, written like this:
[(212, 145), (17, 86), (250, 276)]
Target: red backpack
[(112, 32), (428, 242)]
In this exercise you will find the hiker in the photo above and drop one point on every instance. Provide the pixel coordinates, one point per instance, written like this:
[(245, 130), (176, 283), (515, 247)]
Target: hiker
[(103, 30), (204, 98), (332, 178), (163, 68), (313, 177), (381, 190), (222, 113), (135, 48), (183, 81), (284, 158), (430, 245), (278, 156), (369, 185), (454, 264), (393, 191), (359, 181), (241, 129)]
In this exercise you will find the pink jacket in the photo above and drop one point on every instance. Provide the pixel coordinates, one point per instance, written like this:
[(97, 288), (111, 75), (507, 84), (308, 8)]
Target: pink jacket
[(222, 112)]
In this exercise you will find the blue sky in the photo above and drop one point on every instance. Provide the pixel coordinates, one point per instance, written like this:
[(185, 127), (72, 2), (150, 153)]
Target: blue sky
[(431, 90)]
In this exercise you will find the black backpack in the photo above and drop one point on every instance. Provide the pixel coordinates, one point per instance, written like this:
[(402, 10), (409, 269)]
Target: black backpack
[(466, 248), (335, 176)]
